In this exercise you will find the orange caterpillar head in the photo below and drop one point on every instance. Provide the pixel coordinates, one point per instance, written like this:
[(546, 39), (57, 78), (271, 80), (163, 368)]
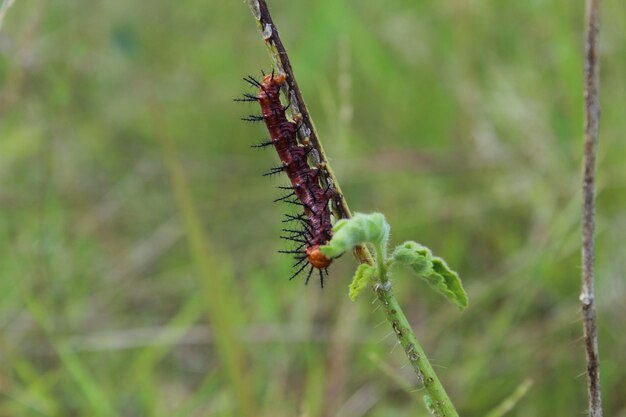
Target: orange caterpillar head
[(276, 79), (316, 258), (271, 84)]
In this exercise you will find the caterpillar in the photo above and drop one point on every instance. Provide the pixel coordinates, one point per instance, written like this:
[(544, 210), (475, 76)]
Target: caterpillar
[(306, 190)]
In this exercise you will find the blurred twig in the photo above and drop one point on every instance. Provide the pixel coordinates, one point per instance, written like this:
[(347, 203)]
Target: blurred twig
[(361, 401), (587, 296), (24, 55), (510, 401), (392, 374), (4, 8)]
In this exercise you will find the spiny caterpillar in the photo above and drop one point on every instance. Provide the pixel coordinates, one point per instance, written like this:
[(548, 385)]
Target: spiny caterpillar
[(305, 190)]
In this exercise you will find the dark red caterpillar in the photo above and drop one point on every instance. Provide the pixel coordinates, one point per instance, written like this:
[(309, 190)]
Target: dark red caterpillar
[(306, 190)]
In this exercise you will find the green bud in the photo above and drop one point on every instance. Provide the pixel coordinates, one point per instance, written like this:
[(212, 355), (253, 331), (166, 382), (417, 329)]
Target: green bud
[(362, 228)]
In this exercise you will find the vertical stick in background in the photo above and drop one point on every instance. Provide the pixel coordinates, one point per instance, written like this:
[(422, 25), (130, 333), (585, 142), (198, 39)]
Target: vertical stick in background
[(587, 296)]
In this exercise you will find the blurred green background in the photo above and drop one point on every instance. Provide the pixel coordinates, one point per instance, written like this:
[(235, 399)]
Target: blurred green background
[(138, 273)]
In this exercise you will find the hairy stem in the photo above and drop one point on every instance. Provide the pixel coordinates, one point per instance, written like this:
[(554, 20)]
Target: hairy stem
[(587, 296), (441, 402)]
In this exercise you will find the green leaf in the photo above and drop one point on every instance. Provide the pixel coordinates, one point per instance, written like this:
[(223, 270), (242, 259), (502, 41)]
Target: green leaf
[(432, 269), (417, 257), (362, 228), (361, 279), (448, 283)]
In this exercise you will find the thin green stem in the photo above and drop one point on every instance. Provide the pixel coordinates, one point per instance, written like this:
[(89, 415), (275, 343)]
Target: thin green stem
[(381, 253), (441, 404), (509, 403)]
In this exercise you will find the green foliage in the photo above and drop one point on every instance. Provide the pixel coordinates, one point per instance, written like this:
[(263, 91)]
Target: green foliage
[(485, 169), (360, 229), (433, 270), (416, 256), (373, 229), (362, 277)]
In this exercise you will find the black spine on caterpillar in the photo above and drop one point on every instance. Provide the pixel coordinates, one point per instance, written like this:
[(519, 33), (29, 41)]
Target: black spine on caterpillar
[(306, 190)]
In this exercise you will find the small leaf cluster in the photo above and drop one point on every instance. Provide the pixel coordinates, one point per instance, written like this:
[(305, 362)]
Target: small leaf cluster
[(432, 269), (361, 228), (373, 229)]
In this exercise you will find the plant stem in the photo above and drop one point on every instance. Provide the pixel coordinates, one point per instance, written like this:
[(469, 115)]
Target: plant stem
[(587, 296), (509, 403), (308, 133), (442, 406), (381, 253)]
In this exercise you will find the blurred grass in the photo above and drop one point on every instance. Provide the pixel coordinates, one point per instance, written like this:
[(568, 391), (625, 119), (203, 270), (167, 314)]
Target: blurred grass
[(225, 313), (466, 132)]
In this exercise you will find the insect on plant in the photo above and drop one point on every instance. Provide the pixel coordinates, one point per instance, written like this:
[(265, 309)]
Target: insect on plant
[(312, 228), (315, 189)]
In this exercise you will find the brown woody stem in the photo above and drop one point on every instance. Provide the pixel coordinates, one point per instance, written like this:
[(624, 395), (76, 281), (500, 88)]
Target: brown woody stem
[(587, 296)]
